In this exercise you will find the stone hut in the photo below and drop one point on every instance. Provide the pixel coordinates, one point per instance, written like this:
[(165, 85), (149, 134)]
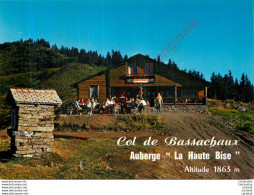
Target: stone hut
[(32, 121)]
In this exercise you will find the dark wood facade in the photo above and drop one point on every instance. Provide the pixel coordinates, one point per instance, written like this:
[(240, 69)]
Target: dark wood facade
[(176, 87), (100, 81)]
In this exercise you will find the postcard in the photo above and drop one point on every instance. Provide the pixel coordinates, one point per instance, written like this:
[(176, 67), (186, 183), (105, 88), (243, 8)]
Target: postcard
[(126, 90)]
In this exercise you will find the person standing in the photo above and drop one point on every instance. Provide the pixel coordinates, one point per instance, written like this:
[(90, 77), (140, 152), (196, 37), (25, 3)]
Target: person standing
[(159, 102)]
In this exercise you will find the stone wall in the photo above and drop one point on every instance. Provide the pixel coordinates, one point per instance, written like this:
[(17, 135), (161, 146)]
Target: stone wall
[(33, 135), (186, 108)]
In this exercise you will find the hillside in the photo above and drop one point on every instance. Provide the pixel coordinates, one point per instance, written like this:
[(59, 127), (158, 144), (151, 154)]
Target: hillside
[(29, 64), (52, 78), (62, 79)]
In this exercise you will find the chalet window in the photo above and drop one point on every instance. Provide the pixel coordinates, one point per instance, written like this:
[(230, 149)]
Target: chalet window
[(93, 91), (132, 69), (149, 68)]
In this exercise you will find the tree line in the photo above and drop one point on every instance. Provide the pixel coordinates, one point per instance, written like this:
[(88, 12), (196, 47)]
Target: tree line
[(27, 56), (226, 87), (92, 57)]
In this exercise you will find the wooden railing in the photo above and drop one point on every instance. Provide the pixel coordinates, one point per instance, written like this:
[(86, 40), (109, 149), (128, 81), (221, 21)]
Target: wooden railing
[(140, 75)]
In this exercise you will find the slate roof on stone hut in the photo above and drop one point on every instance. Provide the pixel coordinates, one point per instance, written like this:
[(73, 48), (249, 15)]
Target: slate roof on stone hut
[(34, 96)]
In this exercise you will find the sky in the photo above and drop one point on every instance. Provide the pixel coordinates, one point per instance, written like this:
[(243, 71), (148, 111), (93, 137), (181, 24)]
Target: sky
[(222, 39)]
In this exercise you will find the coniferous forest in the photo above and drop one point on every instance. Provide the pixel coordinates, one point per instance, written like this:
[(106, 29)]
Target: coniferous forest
[(226, 87)]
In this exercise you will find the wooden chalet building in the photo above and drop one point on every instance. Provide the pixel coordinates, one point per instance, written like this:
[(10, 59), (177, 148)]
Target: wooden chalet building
[(143, 73)]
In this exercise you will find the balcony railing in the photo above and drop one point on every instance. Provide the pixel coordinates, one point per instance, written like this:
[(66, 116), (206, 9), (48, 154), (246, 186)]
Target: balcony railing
[(139, 75)]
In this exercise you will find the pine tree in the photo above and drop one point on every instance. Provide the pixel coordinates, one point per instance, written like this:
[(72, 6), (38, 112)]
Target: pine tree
[(169, 62), (212, 88), (174, 65), (230, 86), (82, 57), (54, 47), (108, 60), (242, 87), (99, 60), (158, 58), (236, 90), (125, 58), (248, 90)]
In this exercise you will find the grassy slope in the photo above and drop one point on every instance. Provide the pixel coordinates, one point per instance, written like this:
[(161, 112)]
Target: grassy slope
[(66, 76), (16, 80), (53, 78), (65, 163), (109, 122), (240, 120)]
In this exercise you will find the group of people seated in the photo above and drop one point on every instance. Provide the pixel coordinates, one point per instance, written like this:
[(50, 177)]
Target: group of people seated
[(90, 105), (140, 104), (126, 105), (109, 102)]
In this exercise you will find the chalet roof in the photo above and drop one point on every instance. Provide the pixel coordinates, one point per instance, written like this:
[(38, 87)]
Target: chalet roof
[(162, 69), (34, 96)]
